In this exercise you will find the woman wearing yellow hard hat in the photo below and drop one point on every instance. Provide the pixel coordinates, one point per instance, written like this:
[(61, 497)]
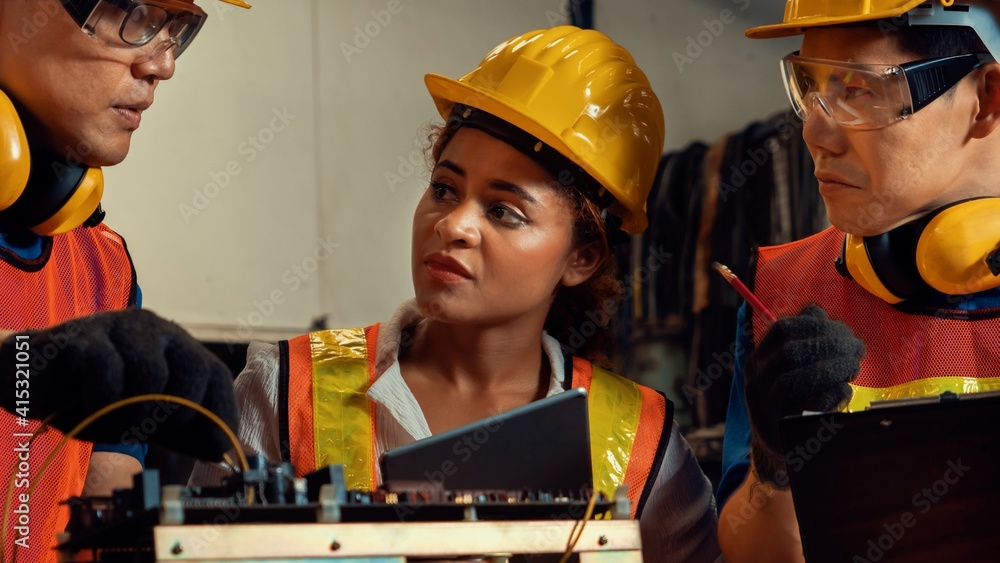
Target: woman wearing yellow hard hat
[(900, 101), (549, 147)]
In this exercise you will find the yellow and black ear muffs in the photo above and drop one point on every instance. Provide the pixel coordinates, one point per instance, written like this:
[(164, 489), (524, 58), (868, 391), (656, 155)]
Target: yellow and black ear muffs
[(955, 250), (41, 191)]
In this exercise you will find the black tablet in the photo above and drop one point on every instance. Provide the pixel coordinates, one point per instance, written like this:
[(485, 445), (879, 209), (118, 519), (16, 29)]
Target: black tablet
[(542, 446)]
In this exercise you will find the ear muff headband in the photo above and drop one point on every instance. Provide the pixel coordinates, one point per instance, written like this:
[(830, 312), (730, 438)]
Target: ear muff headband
[(949, 251), (41, 191)]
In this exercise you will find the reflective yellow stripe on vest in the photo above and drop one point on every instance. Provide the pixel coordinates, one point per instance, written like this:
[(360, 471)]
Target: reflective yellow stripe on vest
[(615, 405), (342, 426), (930, 387), (342, 413)]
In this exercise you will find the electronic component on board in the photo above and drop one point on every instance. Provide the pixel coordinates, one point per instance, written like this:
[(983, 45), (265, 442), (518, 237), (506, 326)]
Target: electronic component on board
[(267, 492)]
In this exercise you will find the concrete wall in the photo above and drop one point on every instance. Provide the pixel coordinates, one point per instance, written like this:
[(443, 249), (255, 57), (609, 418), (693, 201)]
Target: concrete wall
[(272, 182)]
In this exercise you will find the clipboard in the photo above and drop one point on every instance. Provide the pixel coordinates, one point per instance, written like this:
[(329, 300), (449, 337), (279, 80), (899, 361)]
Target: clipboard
[(911, 480)]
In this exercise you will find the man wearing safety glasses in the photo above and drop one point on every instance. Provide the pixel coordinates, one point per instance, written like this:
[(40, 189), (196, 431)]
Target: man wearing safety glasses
[(900, 102), (76, 77)]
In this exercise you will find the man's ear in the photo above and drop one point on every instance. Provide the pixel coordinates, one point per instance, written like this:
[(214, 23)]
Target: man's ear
[(987, 119), (583, 262)]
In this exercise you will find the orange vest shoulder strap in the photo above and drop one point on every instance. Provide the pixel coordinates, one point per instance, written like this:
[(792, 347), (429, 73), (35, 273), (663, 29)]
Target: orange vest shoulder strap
[(629, 431), (85, 271), (116, 242)]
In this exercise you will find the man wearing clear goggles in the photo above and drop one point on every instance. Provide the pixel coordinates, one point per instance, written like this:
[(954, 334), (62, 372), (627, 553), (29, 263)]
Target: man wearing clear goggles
[(76, 77), (167, 24), (872, 96), (900, 109)]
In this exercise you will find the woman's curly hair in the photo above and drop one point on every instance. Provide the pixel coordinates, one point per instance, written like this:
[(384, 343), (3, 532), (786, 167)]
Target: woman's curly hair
[(581, 317)]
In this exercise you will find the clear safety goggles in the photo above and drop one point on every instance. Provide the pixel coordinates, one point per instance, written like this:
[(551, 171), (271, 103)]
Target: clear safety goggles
[(871, 96), (172, 23)]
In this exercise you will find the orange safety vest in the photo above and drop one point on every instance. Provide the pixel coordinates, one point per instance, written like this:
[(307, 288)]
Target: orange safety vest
[(910, 350), (84, 271), (326, 417)]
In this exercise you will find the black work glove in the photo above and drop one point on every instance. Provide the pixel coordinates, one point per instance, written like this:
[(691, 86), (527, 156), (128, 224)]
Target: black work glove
[(803, 362), (87, 363)]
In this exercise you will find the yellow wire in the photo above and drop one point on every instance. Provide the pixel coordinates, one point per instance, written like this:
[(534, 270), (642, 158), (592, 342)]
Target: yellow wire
[(582, 523), (244, 463)]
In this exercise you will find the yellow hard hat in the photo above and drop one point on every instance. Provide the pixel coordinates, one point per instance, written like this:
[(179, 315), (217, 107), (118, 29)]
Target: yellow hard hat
[(581, 94), (800, 14), (803, 14)]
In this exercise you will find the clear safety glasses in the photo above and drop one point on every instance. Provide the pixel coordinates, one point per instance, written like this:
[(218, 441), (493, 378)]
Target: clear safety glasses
[(172, 23), (871, 96)]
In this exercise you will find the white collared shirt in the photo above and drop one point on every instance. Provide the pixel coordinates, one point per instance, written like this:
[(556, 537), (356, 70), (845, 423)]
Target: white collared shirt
[(399, 418)]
